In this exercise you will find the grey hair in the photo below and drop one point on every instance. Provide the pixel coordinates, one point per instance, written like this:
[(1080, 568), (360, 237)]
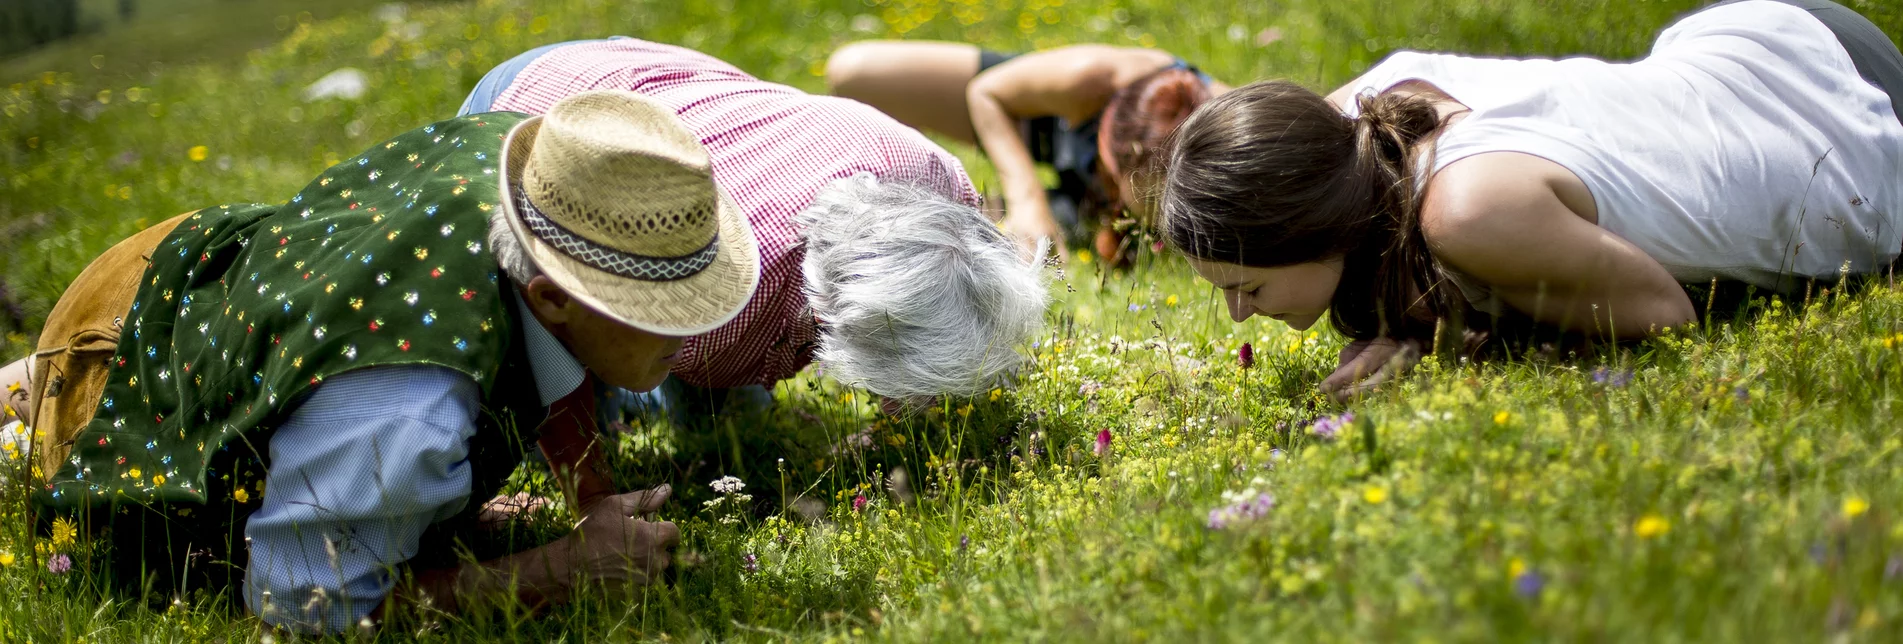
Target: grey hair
[(508, 249), (918, 295)]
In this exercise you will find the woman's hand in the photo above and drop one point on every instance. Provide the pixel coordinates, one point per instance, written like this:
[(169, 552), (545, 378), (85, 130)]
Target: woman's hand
[(1365, 364), (1030, 223)]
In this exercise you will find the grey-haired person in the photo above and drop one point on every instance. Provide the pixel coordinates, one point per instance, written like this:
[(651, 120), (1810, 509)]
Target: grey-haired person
[(875, 259)]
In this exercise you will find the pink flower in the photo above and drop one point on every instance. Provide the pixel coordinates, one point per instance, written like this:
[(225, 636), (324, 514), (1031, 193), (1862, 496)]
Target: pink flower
[(1245, 356), (858, 503), (1103, 443), (59, 564)]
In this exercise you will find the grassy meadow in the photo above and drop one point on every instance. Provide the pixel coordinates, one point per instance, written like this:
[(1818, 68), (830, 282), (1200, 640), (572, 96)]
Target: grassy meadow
[(1737, 481)]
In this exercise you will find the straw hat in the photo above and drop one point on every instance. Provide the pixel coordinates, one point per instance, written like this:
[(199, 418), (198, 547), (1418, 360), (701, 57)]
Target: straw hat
[(614, 200)]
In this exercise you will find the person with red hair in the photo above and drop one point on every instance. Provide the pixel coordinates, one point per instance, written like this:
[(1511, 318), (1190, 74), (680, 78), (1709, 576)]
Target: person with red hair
[(1095, 113)]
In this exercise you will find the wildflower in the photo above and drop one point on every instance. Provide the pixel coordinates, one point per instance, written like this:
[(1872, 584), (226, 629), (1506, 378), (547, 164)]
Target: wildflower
[(1089, 388), (1742, 394), (996, 393), (1136, 307), (1243, 506), (1103, 443), (158, 479), (64, 531), (1374, 494), (1169, 301), (1528, 584), (1610, 378), (1245, 356), (858, 502), (1083, 256), (6, 559), (1650, 526), (59, 564), (241, 496), (1855, 506), (964, 542), (197, 153), (749, 563), (1328, 428), (1295, 345)]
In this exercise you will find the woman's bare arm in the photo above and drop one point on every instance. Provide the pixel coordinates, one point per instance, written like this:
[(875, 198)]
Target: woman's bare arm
[(1504, 218), (1071, 82)]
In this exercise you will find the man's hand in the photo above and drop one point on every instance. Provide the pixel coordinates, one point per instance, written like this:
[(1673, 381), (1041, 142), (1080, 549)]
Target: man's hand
[(1365, 364), (616, 542)]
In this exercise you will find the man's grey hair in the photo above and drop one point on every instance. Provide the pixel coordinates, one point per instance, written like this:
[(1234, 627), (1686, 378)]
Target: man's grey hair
[(508, 250), (917, 294)]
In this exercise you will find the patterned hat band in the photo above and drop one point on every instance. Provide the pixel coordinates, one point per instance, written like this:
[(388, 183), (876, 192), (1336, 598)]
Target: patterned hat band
[(625, 264)]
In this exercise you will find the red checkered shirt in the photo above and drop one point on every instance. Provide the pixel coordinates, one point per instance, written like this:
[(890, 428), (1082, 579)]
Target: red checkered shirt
[(773, 148)]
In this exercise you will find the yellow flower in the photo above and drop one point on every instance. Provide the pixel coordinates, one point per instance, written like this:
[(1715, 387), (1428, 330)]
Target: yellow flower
[(1169, 301), (64, 531), (1295, 345), (1855, 506), (241, 496), (1501, 417), (197, 153), (1083, 256), (995, 394), (1515, 567), (1374, 494), (134, 472), (964, 411), (6, 559), (13, 388), (1651, 525), (158, 479)]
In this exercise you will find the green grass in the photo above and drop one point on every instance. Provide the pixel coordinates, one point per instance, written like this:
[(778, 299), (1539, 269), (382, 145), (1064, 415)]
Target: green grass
[(1746, 485)]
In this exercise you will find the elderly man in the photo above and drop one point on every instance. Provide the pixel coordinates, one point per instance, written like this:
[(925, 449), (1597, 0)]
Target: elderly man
[(302, 396), (874, 256)]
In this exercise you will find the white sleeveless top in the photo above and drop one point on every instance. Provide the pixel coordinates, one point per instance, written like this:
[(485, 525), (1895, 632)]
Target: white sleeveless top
[(1745, 147)]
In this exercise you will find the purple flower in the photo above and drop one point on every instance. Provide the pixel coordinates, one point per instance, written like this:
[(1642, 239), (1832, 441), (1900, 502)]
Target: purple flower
[(1328, 428), (749, 563), (1103, 443), (59, 564), (1529, 584), (1242, 509), (1245, 356), (859, 503), (1610, 378), (1742, 394), (964, 542), (1136, 307)]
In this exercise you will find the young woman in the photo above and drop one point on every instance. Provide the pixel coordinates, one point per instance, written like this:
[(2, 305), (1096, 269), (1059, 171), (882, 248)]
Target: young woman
[(1090, 111), (1759, 142)]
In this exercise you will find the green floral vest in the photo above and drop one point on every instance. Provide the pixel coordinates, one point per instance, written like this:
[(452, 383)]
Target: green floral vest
[(381, 261)]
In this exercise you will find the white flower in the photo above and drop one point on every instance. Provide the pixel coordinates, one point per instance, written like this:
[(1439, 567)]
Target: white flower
[(728, 485)]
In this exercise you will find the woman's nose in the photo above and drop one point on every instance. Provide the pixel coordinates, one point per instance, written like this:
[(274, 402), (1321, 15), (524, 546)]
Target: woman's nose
[(1238, 309)]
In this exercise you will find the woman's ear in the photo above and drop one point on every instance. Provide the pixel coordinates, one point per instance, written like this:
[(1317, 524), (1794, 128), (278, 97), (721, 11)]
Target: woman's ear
[(549, 302)]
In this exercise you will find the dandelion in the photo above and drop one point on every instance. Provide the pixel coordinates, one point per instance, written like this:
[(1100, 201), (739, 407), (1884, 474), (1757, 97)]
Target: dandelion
[(64, 531), (1103, 443), (1650, 526), (1245, 355), (1328, 428), (1374, 494), (59, 564), (1169, 301), (197, 153), (1855, 506), (1243, 506)]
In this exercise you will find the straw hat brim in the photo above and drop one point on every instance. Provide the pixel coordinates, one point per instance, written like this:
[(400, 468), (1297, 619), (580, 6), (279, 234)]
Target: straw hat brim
[(689, 306)]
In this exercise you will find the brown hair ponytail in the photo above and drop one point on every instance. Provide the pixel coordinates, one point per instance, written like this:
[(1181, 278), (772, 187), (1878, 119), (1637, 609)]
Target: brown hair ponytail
[(1272, 174)]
